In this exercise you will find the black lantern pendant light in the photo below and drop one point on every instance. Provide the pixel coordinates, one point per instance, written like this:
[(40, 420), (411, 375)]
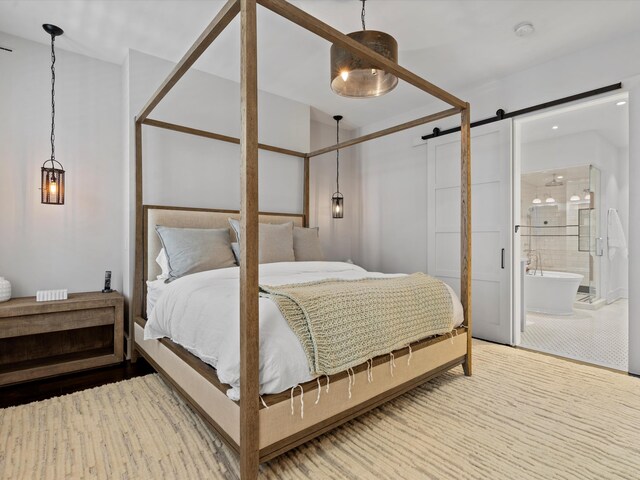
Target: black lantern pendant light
[(52, 172), (337, 200), (354, 77)]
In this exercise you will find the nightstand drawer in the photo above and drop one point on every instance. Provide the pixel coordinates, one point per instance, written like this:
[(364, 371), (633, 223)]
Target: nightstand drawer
[(55, 321)]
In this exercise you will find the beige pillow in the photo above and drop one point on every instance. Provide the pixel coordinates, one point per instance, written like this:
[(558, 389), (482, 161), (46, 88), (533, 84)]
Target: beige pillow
[(306, 244), (276, 241)]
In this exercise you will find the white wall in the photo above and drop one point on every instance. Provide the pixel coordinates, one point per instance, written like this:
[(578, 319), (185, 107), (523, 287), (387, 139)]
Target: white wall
[(392, 179), (336, 234), (68, 246), (385, 176)]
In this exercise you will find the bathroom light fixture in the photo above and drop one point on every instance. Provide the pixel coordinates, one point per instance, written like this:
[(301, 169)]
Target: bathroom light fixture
[(524, 29), (549, 199), (555, 127), (621, 102), (536, 200), (355, 77), (337, 200), (52, 177), (559, 177), (554, 182), (575, 198), (587, 194)]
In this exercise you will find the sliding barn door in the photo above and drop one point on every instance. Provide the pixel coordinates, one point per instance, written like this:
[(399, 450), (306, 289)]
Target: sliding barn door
[(491, 223)]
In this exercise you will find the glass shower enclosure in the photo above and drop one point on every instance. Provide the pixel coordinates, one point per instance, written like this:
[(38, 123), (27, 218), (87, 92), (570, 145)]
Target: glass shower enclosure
[(561, 225)]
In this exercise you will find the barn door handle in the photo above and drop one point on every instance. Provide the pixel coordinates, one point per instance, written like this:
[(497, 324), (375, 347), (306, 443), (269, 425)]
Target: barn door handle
[(502, 262)]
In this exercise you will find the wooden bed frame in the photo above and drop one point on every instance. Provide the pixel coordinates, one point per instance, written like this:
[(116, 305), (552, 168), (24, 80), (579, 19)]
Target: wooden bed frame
[(255, 432)]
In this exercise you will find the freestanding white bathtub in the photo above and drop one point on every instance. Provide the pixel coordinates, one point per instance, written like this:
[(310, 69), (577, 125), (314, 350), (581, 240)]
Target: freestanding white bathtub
[(551, 292)]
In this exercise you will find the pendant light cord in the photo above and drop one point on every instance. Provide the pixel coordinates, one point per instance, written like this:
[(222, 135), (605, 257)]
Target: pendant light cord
[(53, 101), (362, 15), (338, 156)]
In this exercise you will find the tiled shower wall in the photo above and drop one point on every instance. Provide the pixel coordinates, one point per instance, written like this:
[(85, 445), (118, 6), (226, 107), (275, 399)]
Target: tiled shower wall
[(558, 252)]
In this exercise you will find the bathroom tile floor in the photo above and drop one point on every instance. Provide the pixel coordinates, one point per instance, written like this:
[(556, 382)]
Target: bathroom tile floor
[(593, 336)]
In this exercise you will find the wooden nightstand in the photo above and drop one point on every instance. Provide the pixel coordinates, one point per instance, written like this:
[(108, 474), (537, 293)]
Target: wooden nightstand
[(43, 339)]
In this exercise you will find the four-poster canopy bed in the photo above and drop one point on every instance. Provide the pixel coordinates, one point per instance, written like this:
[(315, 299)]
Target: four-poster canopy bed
[(259, 433)]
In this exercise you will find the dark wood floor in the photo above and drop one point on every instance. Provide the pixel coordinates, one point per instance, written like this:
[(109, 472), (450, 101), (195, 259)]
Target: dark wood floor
[(22, 393)]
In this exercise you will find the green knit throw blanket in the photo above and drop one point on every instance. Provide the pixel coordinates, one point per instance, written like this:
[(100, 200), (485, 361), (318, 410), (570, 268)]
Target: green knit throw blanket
[(344, 323)]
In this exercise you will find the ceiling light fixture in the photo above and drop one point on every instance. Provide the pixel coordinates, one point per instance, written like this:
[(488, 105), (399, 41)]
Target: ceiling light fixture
[(555, 127), (575, 198), (621, 102), (587, 194), (537, 200), (337, 200), (559, 177), (524, 29), (549, 199), (52, 177), (355, 77), (554, 182)]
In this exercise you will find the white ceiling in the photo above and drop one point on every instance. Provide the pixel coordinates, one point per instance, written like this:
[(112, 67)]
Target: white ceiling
[(603, 116), (570, 177), (453, 43)]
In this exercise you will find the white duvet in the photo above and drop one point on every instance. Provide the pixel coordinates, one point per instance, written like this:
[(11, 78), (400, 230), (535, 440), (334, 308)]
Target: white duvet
[(200, 312)]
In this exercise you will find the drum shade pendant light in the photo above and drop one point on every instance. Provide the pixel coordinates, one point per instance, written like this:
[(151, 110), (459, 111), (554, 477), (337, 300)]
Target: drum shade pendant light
[(337, 200), (52, 172), (355, 77)]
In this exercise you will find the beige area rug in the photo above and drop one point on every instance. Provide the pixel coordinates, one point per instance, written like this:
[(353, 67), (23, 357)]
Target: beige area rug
[(521, 416)]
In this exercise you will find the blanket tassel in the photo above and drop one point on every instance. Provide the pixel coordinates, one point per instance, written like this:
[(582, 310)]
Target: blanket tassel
[(301, 401), (319, 390), (392, 362), (352, 380)]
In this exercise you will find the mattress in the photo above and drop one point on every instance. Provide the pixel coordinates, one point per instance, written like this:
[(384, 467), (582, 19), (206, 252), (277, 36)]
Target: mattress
[(200, 312)]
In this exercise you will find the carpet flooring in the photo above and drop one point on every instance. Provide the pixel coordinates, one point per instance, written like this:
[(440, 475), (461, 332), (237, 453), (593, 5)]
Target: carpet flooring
[(521, 416)]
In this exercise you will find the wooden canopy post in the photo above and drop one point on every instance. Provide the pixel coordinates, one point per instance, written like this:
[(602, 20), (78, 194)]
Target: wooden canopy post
[(387, 131), (305, 193), (217, 136), (309, 22), (215, 28), (465, 229), (249, 317), (137, 306)]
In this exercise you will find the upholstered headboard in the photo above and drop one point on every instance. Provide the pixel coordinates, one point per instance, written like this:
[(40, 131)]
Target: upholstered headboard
[(193, 218)]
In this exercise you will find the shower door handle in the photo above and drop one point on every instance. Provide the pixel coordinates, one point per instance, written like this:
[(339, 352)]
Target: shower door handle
[(502, 259), (599, 250)]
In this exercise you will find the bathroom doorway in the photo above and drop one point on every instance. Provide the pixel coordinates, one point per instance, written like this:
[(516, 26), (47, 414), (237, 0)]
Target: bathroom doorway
[(571, 209)]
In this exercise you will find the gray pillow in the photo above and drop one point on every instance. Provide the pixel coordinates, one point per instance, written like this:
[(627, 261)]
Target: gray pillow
[(235, 246), (276, 241), (306, 244), (191, 250)]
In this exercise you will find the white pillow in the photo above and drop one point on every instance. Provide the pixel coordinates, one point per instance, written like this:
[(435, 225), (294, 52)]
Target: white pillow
[(163, 262)]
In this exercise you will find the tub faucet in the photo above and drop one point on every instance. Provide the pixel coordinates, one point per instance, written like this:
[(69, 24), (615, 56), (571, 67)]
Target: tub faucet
[(535, 255)]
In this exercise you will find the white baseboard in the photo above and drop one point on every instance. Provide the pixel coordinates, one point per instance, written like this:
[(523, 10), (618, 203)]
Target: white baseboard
[(617, 294)]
